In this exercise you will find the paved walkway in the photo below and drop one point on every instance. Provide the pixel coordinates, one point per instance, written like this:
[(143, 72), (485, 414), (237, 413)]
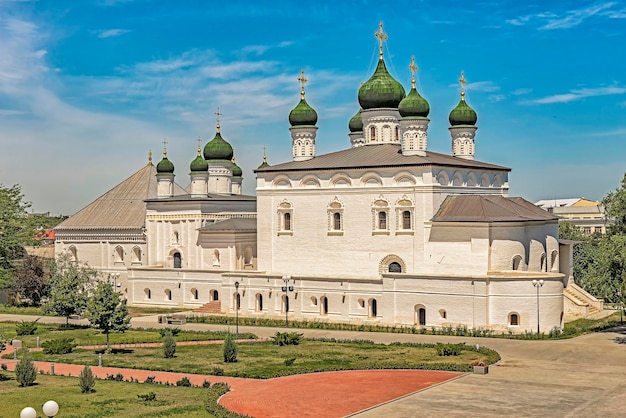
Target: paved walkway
[(584, 376)]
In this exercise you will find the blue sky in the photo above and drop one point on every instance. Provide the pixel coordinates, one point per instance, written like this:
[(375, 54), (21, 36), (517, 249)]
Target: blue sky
[(88, 87)]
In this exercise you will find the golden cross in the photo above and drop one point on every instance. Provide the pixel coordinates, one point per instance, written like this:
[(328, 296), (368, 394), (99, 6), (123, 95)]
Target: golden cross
[(264, 155), (218, 114), (303, 80), (382, 37), (199, 141), (413, 68), (164, 147), (463, 82), (149, 156)]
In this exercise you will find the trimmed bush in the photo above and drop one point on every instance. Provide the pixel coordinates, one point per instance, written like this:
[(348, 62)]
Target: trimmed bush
[(169, 345), (58, 346), (230, 349), (215, 409), (287, 338), (86, 380), (217, 371), (151, 380), (25, 370), (184, 382), (26, 327), (206, 384)]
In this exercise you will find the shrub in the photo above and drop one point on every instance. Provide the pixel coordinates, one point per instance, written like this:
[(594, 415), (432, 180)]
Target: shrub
[(184, 382), (86, 380), (118, 377), (3, 367), (230, 349), (290, 361), (287, 338), (449, 349), (211, 405), (25, 370), (206, 384), (165, 331), (217, 371), (169, 345), (58, 346), (26, 327), (151, 380), (148, 397)]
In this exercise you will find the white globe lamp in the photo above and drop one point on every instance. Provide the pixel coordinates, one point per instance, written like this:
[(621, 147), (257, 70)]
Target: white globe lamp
[(28, 412), (50, 408)]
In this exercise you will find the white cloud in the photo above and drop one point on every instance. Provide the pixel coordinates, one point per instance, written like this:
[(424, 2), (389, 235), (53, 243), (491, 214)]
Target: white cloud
[(578, 94), (497, 97), (109, 33), (486, 86), (568, 19), (521, 91)]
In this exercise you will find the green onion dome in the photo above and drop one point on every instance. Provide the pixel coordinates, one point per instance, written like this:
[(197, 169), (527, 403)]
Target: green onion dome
[(381, 90), (199, 165), (218, 149), (303, 115), (356, 123), (165, 166), (462, 114), (264, 163), (237, 171), (414, 105)]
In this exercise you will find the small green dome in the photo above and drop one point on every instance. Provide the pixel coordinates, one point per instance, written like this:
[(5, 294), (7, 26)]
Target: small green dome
[(165, 166), (237, 171), (302, 115), (414, 105), (462, 114), (199, 165), (218, 149), (381, 90), (356, 123)]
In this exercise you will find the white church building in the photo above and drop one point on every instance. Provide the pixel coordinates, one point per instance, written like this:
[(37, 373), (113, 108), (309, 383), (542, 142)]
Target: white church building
[(383, 232)]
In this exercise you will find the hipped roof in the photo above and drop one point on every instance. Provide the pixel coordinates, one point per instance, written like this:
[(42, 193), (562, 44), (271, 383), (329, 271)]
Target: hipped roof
[(481, 208)]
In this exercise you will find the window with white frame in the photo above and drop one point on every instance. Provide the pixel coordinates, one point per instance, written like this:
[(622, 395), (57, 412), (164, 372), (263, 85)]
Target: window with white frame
[(335, 217), (380, 216), (285, 218), (404, 216)]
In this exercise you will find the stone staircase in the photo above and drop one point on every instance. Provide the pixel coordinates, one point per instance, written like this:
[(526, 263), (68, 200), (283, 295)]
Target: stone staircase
[(579, 303), (213, 307)]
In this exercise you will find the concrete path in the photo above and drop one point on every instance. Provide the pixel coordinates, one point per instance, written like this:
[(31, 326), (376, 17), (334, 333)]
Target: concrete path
[(579, 377)]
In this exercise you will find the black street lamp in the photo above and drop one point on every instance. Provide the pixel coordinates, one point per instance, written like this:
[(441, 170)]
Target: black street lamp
[(537, 284), (286, 288), (237, 309)]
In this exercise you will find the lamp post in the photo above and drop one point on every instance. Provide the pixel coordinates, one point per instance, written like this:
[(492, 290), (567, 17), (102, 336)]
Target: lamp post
[(286, 288), (114, 277), (237, 309), (538, 284)]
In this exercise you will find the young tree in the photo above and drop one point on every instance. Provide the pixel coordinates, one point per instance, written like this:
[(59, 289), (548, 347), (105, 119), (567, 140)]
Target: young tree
[(13, 230), (30, 279), (25, 370), (230, 349), (107, 310), (86, 380), (69, 281), (169, 345)]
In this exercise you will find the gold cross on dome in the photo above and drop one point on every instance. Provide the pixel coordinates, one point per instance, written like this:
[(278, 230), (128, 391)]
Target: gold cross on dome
[(164, 147), (413, 68), (303, 80), (382, 37), (199, 141), (463, 82), (149, 156), (218, 114)]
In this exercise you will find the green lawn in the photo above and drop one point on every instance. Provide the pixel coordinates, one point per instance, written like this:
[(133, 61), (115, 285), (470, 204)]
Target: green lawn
[(92, 336), (266, 360), (111, 399), (35, 310)]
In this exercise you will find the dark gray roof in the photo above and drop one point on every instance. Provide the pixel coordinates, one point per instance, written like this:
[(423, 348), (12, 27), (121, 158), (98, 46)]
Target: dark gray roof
[(232, 224), (370, 156), (208, 197), (481, 208)]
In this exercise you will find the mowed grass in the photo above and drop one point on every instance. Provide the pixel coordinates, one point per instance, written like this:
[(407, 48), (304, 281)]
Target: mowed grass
[(111, 399), (133, 311), (266, 360), (92, 336)]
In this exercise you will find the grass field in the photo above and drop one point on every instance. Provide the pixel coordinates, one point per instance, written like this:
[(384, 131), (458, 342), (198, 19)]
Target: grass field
[(35, 310), (266, 360), (111, 399)]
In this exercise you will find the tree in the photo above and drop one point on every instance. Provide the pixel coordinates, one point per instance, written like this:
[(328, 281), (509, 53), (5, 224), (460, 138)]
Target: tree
[(107, 310), (86, 380), (169, 345), (230, 349), (13, 230), (615, 209), (69, 281), (30, 279), (25, 370)]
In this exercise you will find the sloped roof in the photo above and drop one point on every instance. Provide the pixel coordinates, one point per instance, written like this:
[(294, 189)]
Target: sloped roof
[(480, 208), (556, 203), (233, 224), (371, 156), (122, 207)]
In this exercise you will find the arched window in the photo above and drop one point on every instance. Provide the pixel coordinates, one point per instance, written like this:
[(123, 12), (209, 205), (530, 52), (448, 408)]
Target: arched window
[(443, 314), (136, 255), (287, 221), (554, 265), (313, 301), (395, 267), (118, 254), (361, 303), (73, 253), (214, 295), (168, 294), (178, 260), (259, 302), (406, 219), (516, 262), (175, 238), (542, 263), (323, 305), (148, 293), (337, 221), (194, 294), (397, 137), (247, 256), (513, 320), (372, 133), (420, 315), (382, 220), (373, 308)]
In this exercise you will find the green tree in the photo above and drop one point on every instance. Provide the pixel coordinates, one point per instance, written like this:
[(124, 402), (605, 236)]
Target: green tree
[(230, 349), (30, 279), (169, 345), (86, 380), (14, 231), (25, 370), (69, 281), (107, 310), (615, 210)]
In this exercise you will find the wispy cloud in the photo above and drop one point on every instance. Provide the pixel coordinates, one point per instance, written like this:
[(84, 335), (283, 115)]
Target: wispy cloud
[(485, 86), (579, 94), (521, 91), (568, 19), (109, 33)]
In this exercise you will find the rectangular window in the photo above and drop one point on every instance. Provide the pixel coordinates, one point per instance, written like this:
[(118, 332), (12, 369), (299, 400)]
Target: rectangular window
[(337, 221), (382, 220), (406, 219), (587, 230), (287, 221), (598, 230)]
